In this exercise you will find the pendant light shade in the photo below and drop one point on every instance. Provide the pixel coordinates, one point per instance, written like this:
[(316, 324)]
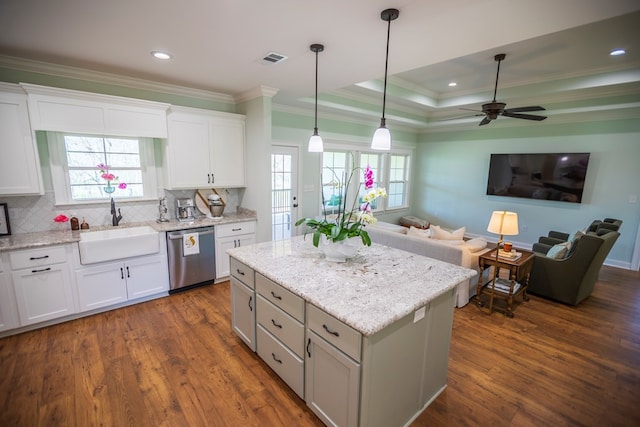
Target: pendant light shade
[(315, 142), (382, 136)]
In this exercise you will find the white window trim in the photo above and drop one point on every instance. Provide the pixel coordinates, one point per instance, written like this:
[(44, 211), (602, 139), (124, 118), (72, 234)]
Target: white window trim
[(60, 173)]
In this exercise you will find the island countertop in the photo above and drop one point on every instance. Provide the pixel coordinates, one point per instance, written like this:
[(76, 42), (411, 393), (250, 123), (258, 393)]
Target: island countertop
[(369, 292)]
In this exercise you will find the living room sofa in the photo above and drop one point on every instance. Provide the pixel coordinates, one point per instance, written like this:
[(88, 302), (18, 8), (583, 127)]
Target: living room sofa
[(458, 251)]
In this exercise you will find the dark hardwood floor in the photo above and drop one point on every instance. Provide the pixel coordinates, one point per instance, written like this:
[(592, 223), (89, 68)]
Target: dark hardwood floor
[(175, 362)]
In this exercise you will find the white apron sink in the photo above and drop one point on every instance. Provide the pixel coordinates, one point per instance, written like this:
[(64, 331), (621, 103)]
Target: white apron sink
[(117, 243)]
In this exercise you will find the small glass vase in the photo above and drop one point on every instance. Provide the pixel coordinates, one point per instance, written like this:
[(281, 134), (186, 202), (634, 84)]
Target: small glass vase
[(109, 189), (339, 251)]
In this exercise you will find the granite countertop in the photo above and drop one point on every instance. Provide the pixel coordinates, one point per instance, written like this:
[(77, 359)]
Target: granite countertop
[(48, 238), (377, 287)]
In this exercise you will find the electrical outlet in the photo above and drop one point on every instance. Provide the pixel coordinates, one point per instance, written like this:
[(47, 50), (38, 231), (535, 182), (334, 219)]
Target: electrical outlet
[(524, 228)]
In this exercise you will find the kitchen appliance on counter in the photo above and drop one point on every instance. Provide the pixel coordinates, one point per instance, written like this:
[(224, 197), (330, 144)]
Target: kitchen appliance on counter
[(216, 205), (185, 210), (191, 255), (162, 210)]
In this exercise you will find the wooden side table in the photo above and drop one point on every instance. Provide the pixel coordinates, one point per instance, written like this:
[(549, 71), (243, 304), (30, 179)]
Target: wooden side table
[(519, 271)]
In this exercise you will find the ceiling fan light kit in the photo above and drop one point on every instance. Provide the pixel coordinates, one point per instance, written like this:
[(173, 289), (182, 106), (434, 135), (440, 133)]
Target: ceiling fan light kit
[(494, 109), (315, 142), (382, 137)]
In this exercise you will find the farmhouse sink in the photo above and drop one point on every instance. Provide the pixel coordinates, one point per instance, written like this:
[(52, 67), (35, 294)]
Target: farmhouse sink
[(117, 243)]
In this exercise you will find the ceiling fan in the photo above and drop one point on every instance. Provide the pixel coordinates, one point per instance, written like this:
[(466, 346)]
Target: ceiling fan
[(493, 109)]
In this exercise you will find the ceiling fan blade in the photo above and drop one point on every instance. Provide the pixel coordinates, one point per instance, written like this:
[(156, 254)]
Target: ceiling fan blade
[(469, 109), (523, 116), (525, 109), (461, 117), (485, 121)]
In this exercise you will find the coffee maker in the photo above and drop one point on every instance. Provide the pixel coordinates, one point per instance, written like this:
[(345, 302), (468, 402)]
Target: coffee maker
[(185, 209)]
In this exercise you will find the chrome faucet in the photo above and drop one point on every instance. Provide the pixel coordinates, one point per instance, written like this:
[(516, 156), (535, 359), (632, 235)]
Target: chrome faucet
[(115, 219)]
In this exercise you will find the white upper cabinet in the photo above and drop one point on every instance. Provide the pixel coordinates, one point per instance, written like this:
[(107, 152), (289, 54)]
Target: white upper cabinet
[(204, 149), (19, 162), (73, 111)]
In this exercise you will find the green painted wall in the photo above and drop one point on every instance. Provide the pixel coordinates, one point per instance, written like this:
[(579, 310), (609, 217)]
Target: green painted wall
[(453, 169)]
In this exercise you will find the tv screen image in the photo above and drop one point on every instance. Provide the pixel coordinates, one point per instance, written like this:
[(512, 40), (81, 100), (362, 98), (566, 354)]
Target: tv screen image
[(543, 176)]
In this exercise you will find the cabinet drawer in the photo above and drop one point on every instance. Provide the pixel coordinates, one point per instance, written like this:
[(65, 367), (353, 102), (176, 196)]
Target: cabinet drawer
[(242, 272), (287, 365), (37, 257), (236, 228), (281, 325), (334, 331), (280, 297)]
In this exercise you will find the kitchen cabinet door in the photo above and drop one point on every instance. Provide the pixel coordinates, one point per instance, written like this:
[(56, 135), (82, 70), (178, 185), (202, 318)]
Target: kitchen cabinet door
[(243, 312), (19, 163), (332, 383), (224, 243), (228, 157), (43, 293), (187, 154), (146, 276), (101, 286)]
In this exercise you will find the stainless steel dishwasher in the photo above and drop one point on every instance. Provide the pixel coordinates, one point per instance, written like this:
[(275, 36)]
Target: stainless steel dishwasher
[(186, 268)]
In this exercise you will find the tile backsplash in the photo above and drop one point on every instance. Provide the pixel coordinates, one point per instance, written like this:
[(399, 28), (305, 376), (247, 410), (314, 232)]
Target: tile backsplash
[(28, 214)]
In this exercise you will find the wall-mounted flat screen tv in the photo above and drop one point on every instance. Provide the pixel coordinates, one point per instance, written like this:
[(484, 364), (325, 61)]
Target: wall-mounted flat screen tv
[(542, 176)]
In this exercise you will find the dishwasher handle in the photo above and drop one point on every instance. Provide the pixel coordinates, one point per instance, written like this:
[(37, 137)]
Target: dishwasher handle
[(179, 236)]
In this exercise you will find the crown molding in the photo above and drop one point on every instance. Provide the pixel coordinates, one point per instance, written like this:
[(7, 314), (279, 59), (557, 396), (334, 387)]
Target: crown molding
[(257, 92), (29, 65)]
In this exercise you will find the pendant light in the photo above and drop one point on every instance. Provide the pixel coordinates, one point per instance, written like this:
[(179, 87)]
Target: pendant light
[(382, 136), (315, 142)]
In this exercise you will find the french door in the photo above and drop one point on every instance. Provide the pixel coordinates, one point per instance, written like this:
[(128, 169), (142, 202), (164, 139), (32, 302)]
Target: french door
[(284, 191)]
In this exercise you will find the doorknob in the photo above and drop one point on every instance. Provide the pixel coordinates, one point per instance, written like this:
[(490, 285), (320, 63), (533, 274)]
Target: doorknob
[(295, 203)]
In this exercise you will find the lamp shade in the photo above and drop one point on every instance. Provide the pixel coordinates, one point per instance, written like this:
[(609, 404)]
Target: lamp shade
[(315, 144), (381, 139), (503, 223)]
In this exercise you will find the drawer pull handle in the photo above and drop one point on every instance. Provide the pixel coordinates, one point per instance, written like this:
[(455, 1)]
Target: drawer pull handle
[(251, 303), (276, 359), (41, 270), (278, 297), (121, 273), (240, 272), (33, 258), (236, 229), (326, 328), (128, 275), (276, 324), (308, 344)]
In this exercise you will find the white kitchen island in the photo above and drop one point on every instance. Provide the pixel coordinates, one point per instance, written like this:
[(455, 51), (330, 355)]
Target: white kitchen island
[(364, 343)]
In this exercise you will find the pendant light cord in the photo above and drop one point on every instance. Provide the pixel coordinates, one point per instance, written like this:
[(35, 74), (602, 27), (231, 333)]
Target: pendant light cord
[(386, 64), (315, 131)]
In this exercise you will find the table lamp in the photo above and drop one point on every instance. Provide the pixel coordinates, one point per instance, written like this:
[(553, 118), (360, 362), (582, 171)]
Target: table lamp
[(503, 223)]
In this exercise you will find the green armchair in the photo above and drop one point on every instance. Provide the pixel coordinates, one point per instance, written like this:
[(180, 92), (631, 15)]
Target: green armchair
[(572, 279)]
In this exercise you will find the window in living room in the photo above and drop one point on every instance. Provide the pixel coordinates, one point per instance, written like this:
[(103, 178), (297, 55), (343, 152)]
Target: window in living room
[(398, 181), (391, 171)]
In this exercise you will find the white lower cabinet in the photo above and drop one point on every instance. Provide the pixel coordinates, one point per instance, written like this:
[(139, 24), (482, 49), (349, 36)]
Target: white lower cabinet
[(106, 284), (8, 314), (332, 388), (42, 283), (230, 236), (243, 303)]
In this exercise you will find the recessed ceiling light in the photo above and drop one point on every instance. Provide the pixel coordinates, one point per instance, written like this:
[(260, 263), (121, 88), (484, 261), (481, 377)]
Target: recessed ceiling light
[(617, 52), (161, 55), (453, 84)]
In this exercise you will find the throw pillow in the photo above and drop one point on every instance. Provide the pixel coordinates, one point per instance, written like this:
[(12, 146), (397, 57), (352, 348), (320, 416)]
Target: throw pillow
[(573, 241), (476, 244), (440, 234), (418, 232), (558, 251)]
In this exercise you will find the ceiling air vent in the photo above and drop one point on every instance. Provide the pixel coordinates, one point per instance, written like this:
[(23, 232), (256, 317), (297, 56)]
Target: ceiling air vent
[(273, 58)]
